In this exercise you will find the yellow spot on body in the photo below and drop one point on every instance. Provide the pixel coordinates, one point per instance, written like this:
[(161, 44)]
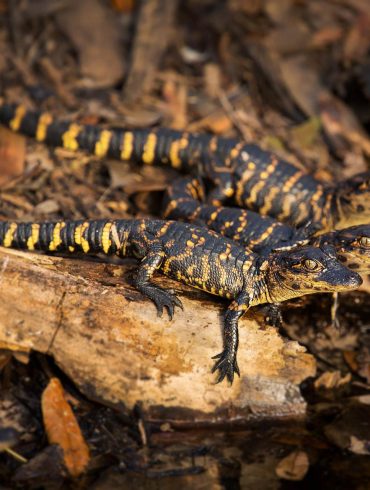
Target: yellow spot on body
[(149, 149), (264, 235), (122, 249), (84, 243), (214, 215), (175, 148), (194, 236), (8, 238), (44, 121), (105, 238), (56, 241), (167, 265), (251, 166), (164, 228), (253, 193), (77, 234), (79, 239), (16, 122), (235, 151), (102, 145), (318, 212), (69, 137), (34, 237), (71, 249), (269, 198), (291, 181), (229, 192), (190, 244), (127, 145)]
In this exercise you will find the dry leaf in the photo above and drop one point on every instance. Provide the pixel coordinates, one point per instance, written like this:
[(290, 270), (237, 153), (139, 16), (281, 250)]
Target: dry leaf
[(94, 31), (62, 428), (332, 379), (123, 5), (12, 155), (176, 96), (47, 207), (293, 467), (340, 122), (212, 79), (359, 447), (327, 35), (365, 399), (357, 41), (359, 362)]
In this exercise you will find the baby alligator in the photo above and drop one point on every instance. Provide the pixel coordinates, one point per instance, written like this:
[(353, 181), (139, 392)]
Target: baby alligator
[(194, 256), (252, 178), (262, 234)]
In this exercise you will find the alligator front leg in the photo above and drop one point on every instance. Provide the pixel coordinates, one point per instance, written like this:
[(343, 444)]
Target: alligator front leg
[(227, 363), (160, 297)]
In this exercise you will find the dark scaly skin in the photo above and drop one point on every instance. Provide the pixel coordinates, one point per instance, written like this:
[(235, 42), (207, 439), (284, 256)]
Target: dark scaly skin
[(251, 177), (262, 234), (185, 198), (194, 256)]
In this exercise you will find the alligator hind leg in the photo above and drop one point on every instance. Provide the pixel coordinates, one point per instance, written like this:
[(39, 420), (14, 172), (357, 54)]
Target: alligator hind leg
[(160, 297)]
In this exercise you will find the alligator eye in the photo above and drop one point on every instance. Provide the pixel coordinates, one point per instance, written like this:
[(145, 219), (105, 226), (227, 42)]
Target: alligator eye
[(311, 265), (364, 241)]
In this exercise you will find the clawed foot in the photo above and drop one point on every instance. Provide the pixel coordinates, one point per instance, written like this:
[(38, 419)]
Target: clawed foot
[(275, 319), (164, 299), (227, 366)]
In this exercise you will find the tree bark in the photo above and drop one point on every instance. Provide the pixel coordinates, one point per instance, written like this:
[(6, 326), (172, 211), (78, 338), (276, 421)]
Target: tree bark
[(108, 338)]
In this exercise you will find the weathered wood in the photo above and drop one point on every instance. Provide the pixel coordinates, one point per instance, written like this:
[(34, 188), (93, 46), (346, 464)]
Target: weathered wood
[(109, 340)]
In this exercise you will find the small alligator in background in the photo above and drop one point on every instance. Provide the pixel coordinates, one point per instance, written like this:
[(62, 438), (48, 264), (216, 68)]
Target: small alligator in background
[(241, 173), (262, 234)]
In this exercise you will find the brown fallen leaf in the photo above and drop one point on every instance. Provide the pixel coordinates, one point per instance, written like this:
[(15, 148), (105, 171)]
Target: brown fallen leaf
[(329, 34), (358, 446), (12, 155), (94, 31), (359, 362), (62, 428), (340, 124), (357, 41), (293, 467), (123, 5), (175, 93), (332, 379)]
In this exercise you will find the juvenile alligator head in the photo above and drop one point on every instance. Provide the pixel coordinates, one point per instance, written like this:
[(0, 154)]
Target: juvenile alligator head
[(352, 198), (306, 270), (352, 246)]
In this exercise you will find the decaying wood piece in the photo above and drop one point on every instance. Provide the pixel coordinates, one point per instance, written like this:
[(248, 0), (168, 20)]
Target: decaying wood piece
[(109, 340)]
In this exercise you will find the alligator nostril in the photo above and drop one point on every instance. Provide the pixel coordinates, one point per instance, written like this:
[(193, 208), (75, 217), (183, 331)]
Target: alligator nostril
[(355, 280)]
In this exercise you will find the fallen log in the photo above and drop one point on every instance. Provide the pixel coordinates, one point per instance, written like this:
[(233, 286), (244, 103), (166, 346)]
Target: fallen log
[(109, 340)]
